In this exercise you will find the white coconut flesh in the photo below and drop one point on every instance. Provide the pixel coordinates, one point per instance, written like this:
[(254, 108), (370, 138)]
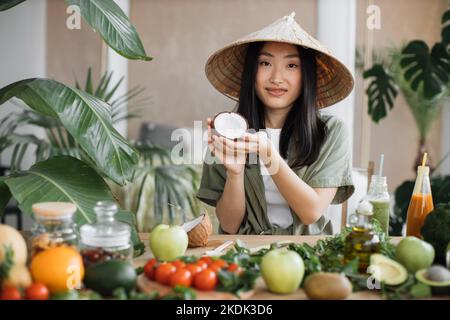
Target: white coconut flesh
[(230, 125), (189, 225)]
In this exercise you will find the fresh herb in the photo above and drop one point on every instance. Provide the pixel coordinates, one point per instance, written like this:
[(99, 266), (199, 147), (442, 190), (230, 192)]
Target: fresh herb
[(181, 293), (237, 283), (8, 262), (122, 294)]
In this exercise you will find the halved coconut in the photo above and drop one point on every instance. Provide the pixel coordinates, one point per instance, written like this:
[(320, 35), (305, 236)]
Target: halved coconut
[(198, 230), (230, 125)]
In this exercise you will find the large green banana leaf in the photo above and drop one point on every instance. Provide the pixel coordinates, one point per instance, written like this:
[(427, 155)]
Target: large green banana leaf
[(115, 28), (85, 117), (6, 4), (64, 178)]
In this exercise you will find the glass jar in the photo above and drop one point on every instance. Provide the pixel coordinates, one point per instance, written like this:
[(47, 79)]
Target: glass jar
[(53, 226), (107, 239)]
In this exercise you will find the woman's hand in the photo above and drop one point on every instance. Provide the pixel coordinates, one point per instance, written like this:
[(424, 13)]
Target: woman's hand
[(224, 150), (234, 153)]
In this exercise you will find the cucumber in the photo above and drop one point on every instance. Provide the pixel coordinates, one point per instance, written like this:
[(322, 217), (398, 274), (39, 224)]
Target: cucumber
[(105, 277)]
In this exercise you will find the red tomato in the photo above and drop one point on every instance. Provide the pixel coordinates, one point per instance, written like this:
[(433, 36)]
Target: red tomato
[(149, 269), (163, 272), (234, 267), (37, 291), (179, 264), (214, 267), (206, 259), (220, 263), (181, 277), (206, 280), (10, 293), (202, 264), (194, 268)]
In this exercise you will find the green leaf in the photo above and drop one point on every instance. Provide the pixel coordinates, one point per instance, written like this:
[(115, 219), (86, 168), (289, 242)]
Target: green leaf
[(64, 178), (7, 4), (381, 92), (429, 69), (5, 195), (115, 28), (88, 86), (85, 117)]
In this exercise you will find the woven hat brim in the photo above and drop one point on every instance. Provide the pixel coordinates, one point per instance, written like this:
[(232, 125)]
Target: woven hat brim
[(224, 71)]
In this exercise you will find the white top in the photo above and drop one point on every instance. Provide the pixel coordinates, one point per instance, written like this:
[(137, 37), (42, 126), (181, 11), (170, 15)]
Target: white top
[(277, 207)]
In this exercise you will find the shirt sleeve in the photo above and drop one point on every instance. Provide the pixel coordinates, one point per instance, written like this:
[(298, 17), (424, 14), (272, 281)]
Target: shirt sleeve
[(212, 182), (333, 166)]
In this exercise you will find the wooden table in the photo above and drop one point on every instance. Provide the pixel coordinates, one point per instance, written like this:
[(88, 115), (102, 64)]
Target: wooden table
[(254, 241)]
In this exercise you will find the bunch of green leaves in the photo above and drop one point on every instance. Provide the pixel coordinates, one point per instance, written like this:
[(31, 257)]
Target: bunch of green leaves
[(181, 293), (410, 289), (122, 294), (8, 262)]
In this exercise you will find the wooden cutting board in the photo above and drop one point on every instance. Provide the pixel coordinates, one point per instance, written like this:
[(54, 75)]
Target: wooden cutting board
[(149, 286)]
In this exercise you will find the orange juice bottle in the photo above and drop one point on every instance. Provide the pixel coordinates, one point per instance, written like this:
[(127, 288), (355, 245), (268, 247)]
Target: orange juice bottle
[(421, 203)]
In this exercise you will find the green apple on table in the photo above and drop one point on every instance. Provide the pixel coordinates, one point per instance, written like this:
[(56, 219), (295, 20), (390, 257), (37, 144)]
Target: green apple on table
[(414, 254), (168, 243), (282, 270)]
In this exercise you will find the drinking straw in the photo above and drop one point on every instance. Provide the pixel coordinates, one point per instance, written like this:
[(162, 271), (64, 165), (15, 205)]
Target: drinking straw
[(380, 170), (424, 160)]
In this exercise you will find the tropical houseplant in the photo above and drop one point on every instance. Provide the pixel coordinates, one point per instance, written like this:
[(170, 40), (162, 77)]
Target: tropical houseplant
[(420, 74), (104, 153)]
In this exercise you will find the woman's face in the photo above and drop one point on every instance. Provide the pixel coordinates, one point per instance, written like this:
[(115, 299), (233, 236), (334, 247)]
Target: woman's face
[(278, 76)]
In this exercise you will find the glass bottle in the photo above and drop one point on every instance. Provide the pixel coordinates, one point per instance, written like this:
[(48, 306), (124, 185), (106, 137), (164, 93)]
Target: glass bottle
[(421, 203), (53, 226), (380, 199), (362, 241), (108, 238)]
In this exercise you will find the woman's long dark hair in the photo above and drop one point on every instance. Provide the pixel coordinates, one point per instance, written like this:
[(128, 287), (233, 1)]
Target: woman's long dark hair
[(302, 122)]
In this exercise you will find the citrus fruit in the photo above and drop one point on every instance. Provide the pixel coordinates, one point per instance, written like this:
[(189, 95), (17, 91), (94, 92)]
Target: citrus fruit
[(60, 268)]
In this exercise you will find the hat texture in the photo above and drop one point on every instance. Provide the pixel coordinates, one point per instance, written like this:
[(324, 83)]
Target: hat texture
[(224, 67)]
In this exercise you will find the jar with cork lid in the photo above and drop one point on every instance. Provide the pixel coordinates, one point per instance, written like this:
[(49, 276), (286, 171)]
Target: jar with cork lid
[(53, 226), (107, 238)]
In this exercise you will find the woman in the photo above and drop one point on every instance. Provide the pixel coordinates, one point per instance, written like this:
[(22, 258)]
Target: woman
[(303, 166)]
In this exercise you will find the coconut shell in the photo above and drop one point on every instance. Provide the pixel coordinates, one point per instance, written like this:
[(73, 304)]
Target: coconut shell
[(199, 235)]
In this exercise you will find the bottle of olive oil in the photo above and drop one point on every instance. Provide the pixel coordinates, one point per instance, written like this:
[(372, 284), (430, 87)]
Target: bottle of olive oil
[(362, 241)]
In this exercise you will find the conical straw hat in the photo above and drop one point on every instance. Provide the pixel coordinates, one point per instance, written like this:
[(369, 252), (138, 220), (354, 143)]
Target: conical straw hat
[(224, 67)]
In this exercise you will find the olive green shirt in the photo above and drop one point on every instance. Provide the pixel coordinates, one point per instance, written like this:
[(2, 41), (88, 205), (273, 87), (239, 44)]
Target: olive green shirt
[(331, 169)]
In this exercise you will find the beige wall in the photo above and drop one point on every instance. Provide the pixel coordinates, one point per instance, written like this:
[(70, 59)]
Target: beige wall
[(396, 136), (181, 35), (70, 52)]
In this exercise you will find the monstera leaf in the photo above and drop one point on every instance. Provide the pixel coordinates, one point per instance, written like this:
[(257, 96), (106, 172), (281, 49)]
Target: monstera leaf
[(6, 4), (63, 178), (106, 17), (431, 69), (85, 117), (381, 92)]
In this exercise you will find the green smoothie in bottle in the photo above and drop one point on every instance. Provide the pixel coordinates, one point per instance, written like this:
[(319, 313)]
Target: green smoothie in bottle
[(380, 199)]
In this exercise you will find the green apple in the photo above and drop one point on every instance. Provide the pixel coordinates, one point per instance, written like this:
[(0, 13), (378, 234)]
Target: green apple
[(414, 254), (168, 243), (282, 270)]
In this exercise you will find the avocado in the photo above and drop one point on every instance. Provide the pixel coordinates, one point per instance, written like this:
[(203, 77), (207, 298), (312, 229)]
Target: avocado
[(437, 277), (387, 270), (105, 277)]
